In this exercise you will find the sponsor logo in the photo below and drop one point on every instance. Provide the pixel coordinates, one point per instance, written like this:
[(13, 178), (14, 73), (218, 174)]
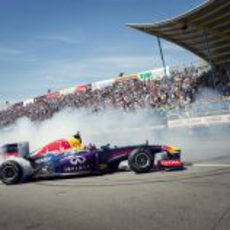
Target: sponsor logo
[(43, 160), (77, 160), (77, 168), (171, 163)]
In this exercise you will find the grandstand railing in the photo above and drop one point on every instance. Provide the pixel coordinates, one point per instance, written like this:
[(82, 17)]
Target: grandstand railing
[(210, 107)]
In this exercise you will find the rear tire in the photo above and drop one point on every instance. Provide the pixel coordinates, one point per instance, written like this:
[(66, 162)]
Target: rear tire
[(141, 161), (11, 173)]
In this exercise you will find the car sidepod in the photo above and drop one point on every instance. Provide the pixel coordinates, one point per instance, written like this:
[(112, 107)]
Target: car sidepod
[(66, 163)]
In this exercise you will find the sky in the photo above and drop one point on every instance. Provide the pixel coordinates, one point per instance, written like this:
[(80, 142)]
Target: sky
[(55, 44)]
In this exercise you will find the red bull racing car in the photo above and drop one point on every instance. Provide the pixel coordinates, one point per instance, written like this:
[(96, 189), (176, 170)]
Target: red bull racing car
[(18, 164)]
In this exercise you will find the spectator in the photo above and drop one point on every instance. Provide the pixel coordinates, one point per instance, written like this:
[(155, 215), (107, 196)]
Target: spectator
[(178, 91)]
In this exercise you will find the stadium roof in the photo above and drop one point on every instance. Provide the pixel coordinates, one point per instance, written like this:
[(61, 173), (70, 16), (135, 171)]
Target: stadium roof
[(209, 21)]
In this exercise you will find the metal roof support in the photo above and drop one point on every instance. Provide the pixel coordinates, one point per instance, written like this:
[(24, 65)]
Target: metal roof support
[(213, 70), (187, 30), (162, 57)]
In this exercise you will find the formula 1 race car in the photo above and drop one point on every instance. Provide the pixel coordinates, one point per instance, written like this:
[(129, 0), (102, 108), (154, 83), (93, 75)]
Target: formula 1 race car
[(19, 165)]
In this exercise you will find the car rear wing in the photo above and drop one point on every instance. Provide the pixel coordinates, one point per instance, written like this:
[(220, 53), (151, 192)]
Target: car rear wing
[(20, 149)]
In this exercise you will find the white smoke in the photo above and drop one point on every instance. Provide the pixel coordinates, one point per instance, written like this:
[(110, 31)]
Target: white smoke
[(207, 93), (115, 127), (120, 128)]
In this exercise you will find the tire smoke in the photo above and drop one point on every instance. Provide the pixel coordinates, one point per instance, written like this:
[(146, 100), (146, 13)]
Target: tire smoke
[(119, 128)]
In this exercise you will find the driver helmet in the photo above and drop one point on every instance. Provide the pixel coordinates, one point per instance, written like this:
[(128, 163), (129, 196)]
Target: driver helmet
[(78, 136)]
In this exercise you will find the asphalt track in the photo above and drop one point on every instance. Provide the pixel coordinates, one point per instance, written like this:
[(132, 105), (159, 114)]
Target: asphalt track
[(196, 198)]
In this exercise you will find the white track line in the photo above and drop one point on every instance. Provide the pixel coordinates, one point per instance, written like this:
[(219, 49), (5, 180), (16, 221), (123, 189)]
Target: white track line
[(211, 165)]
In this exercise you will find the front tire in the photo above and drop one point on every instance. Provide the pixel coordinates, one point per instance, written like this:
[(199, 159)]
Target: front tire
[(11, 173), (141, 161)]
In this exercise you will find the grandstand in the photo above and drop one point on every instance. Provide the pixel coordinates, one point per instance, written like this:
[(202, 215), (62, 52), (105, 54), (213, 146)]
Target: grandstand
[(204, 31)]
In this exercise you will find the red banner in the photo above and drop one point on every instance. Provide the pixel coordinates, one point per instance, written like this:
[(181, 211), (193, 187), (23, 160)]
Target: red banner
[(53, 95), (81, 88)]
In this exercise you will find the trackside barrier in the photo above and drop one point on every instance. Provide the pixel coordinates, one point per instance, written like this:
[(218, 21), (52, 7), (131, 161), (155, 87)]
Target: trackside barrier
[(199, 121)]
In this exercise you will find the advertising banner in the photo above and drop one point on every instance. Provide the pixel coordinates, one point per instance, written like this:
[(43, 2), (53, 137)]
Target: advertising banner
[(102, 84), (126, 78), (81, 88), (67, 91), (53, 95), (155, 74), (199, 121), (27, 102)]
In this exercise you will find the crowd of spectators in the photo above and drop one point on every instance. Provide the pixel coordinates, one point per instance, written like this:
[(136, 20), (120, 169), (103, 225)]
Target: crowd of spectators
[(162, 95)]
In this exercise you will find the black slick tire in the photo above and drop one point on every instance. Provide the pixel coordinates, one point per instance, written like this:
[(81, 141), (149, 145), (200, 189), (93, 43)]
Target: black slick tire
[(11, 173), (140, 161)]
